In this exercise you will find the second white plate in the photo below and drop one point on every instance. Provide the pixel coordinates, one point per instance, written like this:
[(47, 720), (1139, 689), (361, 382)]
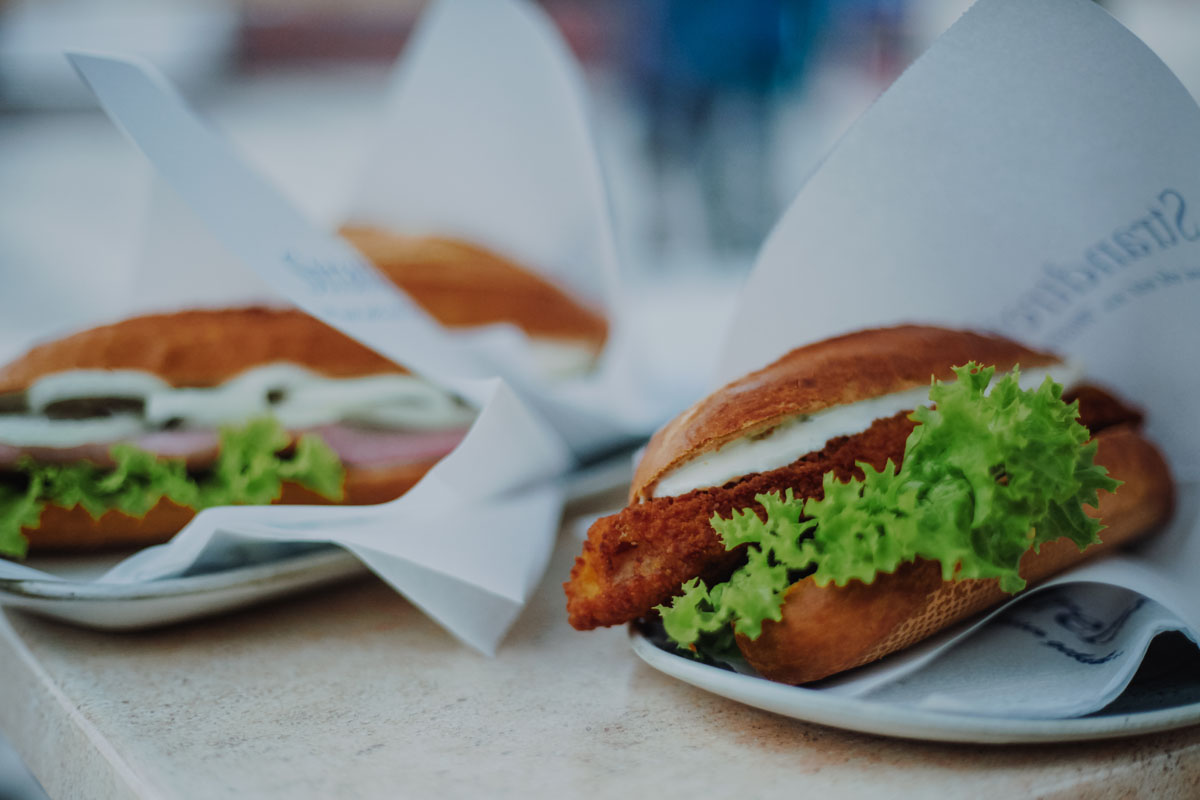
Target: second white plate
[(145, 605)]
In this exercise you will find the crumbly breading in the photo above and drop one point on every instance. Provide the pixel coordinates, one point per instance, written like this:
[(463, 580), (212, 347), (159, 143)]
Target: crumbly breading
[(638, 558)]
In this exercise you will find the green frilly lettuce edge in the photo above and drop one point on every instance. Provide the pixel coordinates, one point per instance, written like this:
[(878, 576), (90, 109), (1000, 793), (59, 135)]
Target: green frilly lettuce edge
[(985, 477), (250, 470)]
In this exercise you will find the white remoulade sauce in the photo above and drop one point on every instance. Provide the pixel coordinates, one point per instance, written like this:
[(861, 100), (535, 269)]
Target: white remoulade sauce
[(295, 396), (805, 433)]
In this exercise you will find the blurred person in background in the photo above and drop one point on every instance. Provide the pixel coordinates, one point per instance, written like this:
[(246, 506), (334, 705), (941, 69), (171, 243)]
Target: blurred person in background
[(705, 75)]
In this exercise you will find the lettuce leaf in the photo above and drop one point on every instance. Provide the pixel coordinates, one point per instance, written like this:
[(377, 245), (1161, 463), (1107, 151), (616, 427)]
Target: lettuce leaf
[(985, 477), (249, 470)]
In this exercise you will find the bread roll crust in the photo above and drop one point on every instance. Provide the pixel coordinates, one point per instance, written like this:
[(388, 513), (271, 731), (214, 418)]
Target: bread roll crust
[(74, 529), (204, 347), (826, 630), (829, 373), (462, 284), (459, 284)]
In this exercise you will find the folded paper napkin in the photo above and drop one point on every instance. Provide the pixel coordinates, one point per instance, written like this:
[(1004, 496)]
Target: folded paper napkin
[(996, 186), (1064, 649)]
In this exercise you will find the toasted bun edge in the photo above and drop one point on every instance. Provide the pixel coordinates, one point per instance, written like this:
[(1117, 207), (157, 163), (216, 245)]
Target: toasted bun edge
[(464, 284), (459, 284), (826, 630), (829, 373)]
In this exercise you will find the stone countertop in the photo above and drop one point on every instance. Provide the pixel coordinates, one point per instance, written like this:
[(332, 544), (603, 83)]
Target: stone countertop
[(352, 692)]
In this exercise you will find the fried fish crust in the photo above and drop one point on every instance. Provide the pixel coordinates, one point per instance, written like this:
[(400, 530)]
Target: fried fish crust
[(638, 558)]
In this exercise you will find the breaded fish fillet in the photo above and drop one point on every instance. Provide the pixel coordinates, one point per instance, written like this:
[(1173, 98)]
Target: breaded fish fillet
[(639, 557)]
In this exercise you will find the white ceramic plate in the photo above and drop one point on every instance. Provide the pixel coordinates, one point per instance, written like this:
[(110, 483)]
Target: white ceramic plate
[(286, 570), (146, 605), (1160, 709)]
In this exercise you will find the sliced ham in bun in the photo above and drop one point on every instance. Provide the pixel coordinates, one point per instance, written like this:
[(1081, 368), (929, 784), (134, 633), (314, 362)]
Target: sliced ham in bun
[(114, 436)]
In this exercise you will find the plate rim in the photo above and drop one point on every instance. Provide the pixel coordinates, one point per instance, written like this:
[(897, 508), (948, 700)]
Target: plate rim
[(66, 590), (888, 719)]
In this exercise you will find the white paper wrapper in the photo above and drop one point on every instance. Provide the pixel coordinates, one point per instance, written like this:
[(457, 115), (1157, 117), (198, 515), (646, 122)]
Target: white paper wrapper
[(476, 139), (1034, 173), (484, 138), (467, 544), (509, 163)]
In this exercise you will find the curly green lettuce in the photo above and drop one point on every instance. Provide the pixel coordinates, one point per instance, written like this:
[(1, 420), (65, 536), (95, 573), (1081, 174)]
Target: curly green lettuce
[(985, 477), (252, 464)]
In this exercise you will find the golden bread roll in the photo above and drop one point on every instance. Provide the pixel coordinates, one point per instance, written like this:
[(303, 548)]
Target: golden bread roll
[(810, 379), (462, 285), (203, 347), (821, 412), (829, 629), (459, 284)]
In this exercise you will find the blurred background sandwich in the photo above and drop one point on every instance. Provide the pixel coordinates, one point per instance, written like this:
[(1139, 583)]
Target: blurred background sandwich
[(116, 435)]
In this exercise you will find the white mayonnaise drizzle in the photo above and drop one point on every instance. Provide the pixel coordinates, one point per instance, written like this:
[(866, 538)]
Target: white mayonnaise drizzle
[(81, 383), (301, 399), (806, 433), (307, 399)]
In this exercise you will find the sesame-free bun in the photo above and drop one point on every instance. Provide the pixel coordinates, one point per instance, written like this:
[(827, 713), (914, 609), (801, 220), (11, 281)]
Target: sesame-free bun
[(200, 348), (457, 283), (462, 285), (828, 629), (830, 373)]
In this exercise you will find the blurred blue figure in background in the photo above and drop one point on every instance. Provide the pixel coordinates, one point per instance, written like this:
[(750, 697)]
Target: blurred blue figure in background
[(707, 74)]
